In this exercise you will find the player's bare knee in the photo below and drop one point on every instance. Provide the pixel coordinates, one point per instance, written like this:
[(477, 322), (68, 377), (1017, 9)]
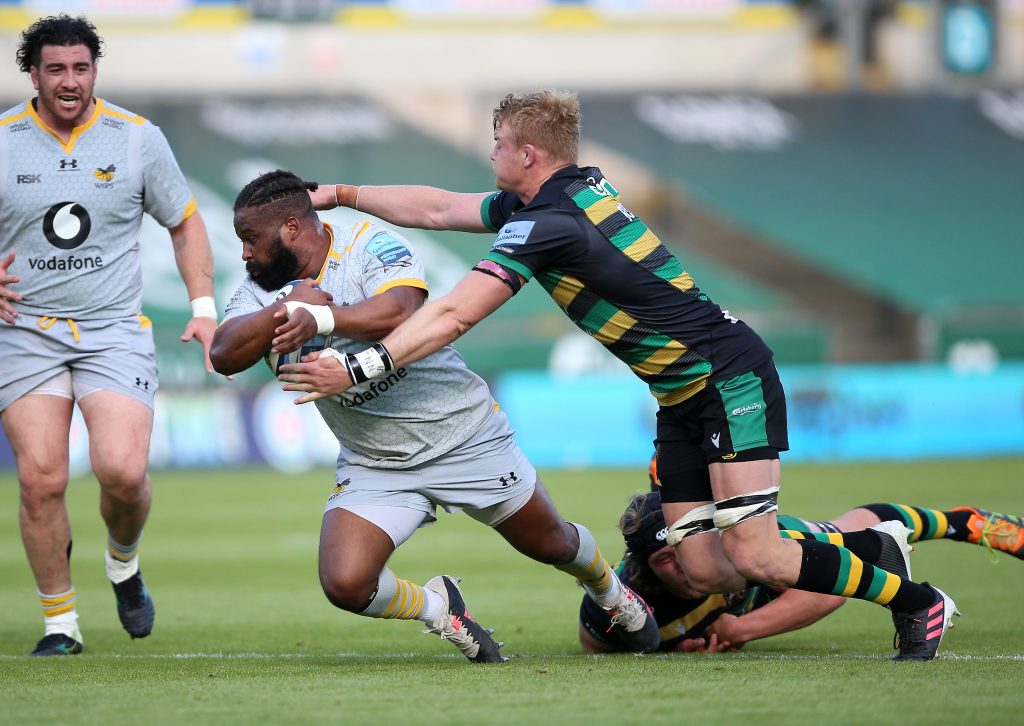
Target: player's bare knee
[(553, 545), (346, 589), (558, 547), (39, 501), (124, 493)]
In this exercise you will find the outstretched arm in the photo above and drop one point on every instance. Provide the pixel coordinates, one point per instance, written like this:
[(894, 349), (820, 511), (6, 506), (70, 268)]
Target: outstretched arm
[(408, 206), (194, 258), (432, 327), (241, 341), (792, 610)]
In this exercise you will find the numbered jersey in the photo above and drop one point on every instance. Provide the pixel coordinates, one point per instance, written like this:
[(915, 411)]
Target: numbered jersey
[(413, 414), (72, 211), (619, 284)]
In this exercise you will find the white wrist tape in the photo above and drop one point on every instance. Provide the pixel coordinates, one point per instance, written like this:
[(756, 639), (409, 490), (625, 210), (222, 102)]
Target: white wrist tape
[(332, 353), (321, 314), (204, 307), (371, 362)]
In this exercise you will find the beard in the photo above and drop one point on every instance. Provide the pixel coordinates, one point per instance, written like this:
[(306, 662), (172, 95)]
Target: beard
[(282, 268)]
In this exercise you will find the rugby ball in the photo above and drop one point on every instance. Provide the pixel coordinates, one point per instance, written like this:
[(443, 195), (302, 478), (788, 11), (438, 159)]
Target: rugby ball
[(317, 342), (275, 361), (287, 290)]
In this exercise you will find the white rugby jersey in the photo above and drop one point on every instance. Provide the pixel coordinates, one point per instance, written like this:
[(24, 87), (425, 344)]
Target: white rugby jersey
[(72, 212), (412, 414)]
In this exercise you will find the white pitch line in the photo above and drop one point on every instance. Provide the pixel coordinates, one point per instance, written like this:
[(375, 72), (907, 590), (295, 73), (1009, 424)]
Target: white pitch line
[(453, 656)]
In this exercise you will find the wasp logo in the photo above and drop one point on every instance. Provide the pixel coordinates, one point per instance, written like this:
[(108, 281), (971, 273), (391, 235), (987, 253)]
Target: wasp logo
[(339, 487), (105, 174)]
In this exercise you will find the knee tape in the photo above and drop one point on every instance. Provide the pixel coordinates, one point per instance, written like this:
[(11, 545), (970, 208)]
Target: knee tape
[(696, 521), (730, 512)]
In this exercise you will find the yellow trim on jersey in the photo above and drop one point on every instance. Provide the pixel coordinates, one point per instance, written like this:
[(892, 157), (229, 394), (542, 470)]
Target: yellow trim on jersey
[(403, 282), (17, 116), (144, 321), (190, 209), (362, 228), (331, 254), (133, 117), (76, 133)]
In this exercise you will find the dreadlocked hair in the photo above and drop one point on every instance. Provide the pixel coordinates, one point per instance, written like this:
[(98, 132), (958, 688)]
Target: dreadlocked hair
[(635, 568), (279, 192), (56, 30)]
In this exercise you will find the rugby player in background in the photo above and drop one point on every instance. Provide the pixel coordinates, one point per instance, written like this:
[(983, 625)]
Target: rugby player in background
[(81, 172)]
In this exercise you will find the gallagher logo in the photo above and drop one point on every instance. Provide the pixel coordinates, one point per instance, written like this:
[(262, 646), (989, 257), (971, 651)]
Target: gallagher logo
[(66, 225), (105, 175)]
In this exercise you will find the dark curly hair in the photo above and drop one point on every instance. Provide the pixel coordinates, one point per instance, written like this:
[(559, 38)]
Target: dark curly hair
[(280, 193), (57, 30)]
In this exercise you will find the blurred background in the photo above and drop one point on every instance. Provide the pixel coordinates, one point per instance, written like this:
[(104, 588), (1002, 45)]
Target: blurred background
[(846, 176)]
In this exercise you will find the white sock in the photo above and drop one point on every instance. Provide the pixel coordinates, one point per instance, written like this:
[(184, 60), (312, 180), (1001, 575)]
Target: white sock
[(434, 607), (118, 571), (66, 623)]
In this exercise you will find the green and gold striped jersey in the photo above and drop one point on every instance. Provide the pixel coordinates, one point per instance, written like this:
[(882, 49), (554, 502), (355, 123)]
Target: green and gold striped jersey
[(619, 284)]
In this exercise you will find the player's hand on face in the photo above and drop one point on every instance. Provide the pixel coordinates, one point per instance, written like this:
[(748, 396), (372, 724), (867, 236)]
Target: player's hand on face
[(294, 331), (324, 197), (315, 376), (201, 329), (7, 295)]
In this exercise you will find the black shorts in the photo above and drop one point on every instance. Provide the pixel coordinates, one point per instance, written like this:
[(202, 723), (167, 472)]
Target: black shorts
[(739, 419)]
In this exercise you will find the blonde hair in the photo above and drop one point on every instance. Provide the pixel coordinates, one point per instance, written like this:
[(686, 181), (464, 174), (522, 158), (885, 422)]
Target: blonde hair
[(549, 120)]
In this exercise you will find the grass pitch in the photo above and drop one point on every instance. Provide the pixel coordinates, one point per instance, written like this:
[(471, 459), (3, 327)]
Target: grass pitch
[(244, 635)]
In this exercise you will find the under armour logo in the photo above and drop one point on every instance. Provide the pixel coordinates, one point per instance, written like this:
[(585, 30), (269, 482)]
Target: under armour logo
[(507, 481), (69, 163), (139, 383)]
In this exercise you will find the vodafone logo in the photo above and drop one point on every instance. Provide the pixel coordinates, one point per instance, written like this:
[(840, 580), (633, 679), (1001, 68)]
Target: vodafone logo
[(66, 225)]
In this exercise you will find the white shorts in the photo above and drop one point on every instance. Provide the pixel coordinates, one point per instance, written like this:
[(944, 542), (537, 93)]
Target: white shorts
[(488, 476)]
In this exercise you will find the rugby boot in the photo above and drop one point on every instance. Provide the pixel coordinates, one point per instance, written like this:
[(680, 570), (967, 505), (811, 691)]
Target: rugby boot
[(58, 644), (457, 625), (919, 632), (135, 606), (995, 531), (634, 622)]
